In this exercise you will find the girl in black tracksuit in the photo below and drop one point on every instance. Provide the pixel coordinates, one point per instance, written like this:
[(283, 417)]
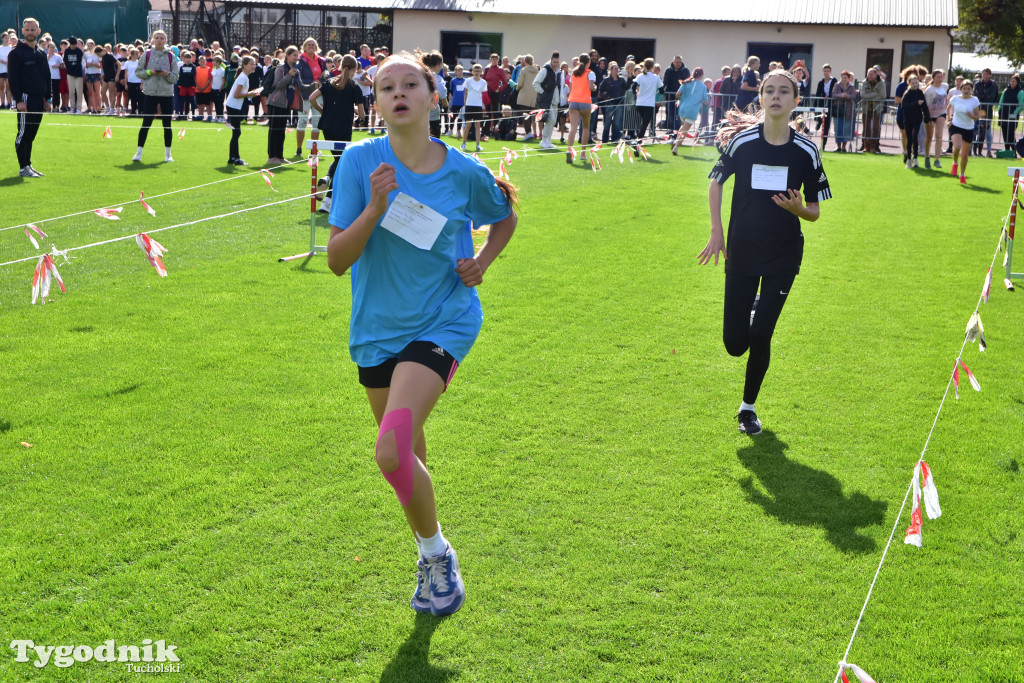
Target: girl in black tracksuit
[(770, 164), (915, 112)]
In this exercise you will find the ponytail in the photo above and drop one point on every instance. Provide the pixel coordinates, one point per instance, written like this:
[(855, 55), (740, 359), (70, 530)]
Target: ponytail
[(347, 70), (736, 122), (581, 68), (509, 190)]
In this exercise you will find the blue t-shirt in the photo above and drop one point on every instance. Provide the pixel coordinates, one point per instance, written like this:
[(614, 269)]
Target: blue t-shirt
[(458, 92), (691, 96), (401, 293)]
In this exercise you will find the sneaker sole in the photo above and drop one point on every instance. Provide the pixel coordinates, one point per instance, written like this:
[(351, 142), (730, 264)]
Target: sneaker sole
[(420, 608), (451, 609)]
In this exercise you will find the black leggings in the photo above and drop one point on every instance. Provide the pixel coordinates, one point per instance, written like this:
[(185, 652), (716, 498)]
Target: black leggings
[(646, 119), (275, 136), (235, 118), (1009, 127), (913, 130), (149, 105), (740, 334), (135, 98)]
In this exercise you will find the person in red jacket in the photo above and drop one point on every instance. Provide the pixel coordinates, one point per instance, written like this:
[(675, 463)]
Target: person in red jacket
[(497, 79)]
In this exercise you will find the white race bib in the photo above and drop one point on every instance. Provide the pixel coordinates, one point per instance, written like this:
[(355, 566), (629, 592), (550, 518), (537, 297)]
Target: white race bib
[(774, 178), (416, 223)]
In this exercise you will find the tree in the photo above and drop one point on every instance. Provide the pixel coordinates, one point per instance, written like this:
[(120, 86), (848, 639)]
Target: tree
[(993, 27)]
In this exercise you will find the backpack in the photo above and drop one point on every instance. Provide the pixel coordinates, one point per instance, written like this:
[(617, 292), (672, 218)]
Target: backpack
[(268, 80)]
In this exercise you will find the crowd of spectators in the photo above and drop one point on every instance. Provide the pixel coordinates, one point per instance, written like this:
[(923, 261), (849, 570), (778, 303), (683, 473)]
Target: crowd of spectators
[(518, 98)]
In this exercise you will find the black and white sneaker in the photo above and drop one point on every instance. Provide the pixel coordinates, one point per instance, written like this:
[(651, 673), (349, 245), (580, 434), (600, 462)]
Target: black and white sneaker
[(27, 172), (38, 174), (749, 424)]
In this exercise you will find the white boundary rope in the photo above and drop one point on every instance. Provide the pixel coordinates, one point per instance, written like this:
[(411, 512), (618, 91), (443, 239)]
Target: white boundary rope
[(895, 525), (169, 227), (164, 194)]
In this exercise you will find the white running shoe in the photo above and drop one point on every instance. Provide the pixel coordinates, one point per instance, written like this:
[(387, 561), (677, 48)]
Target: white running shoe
[(546, 145), (325, 205), (447, 591), (137, 157), (168, 158), (421, 596)]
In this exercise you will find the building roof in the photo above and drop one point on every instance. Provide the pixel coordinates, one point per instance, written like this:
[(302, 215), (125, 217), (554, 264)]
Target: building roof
[(911, 13)]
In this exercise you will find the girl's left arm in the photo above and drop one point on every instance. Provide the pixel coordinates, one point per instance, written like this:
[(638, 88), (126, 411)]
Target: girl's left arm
[(792, 201), (472, 270)]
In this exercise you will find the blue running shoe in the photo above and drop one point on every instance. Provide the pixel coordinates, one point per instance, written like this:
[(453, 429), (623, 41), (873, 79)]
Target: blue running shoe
[(421, 597), (447, 592)]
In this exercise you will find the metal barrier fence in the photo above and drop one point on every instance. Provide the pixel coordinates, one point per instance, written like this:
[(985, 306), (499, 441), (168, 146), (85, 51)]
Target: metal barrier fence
[(870, 122)]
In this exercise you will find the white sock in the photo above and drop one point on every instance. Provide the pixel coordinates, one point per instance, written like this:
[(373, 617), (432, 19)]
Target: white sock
[(139, 151), (167, 151), (747, 406), (435, 545)]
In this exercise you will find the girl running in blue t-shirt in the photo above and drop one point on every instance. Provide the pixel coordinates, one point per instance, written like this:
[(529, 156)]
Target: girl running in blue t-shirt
[(404, 206)]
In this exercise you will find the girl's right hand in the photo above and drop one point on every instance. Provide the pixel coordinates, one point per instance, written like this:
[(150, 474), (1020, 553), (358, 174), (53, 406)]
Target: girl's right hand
[(382, 182), (715, 245)]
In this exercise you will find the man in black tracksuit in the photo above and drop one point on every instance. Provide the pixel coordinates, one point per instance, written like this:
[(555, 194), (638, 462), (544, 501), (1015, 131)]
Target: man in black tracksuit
[(987, 93), (29, 77)]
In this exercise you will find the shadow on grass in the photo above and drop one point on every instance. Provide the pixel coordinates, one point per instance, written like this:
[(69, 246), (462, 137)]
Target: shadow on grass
[(410, 662), (122, 391), (15, 180), (979, 188), (139, 166), (5, 425), (803, 496)]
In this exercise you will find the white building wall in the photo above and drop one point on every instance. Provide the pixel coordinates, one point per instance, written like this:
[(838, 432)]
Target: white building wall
[(707, 44)]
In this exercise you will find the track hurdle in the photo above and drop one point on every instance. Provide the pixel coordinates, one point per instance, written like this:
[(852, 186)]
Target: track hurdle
[(315, 147), (1013, 171)]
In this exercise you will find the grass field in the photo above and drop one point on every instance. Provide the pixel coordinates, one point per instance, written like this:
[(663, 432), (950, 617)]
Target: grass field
[(201, 468)]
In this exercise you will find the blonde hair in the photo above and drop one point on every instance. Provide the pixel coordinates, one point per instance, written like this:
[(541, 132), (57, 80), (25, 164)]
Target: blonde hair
[(348, 69)]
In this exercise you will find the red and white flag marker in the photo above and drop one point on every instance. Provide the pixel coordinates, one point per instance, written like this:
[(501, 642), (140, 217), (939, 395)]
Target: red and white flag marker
[(153, 250), (975, 384), (45, 273), (107, 133), (267, 175), (31, 238), (109, 214), (147, 207), (181, 134), (860, 673), (922, 473), (987, 289)]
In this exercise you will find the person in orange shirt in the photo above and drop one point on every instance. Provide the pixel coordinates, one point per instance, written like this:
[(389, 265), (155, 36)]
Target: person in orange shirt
[(582, 84), (204, 89)]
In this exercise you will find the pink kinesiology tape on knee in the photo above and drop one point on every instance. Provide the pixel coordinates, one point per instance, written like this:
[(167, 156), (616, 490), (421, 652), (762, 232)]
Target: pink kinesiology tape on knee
[(400, 422)]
